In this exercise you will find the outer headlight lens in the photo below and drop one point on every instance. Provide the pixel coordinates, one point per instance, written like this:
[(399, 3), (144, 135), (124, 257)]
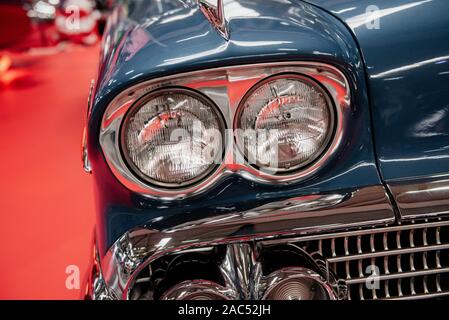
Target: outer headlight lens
[(173, 137), (285, 122)]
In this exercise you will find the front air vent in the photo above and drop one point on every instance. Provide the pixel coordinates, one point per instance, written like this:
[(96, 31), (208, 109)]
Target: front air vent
[(400, 262)]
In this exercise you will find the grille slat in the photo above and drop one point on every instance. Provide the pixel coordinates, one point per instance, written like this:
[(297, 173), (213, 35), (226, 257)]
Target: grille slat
[(359, 244), (386, 266), (371, 243), (361, 294), (424, 257), (387, 289), (399, 263), (360, 268), (346, 246), (421, 296), (399, 284), (412, 286), (437, 258), (385, 241), (400, 275), (438, 238), (412, 238), (348, 272), (389, 253), (438, 284), (334, 253), (426, 288), (412, 262)]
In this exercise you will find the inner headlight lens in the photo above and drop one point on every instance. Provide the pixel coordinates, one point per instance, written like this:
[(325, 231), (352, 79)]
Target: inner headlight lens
[(173, 137), (284, 123)]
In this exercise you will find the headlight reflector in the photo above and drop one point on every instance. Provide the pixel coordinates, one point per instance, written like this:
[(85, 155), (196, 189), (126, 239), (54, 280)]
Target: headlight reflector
[(173, 137), (284, 123)]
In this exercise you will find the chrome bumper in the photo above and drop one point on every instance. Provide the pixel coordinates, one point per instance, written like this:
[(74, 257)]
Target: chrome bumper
[(305, 215)]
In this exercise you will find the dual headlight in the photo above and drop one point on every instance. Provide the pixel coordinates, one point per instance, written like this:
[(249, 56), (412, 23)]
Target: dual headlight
[(174, 137)]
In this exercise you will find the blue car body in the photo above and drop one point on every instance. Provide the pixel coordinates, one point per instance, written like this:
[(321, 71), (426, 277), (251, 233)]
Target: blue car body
[(398, 72)]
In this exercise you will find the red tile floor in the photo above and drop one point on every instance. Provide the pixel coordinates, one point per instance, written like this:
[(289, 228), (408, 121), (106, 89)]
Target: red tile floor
[(46, 205)]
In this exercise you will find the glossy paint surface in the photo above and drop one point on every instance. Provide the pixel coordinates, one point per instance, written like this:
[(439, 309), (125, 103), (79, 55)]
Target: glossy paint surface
[(407, 63), (145, 43)]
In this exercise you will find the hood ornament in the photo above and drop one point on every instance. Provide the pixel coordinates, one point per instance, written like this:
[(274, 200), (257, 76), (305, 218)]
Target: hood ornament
[(214, 12)]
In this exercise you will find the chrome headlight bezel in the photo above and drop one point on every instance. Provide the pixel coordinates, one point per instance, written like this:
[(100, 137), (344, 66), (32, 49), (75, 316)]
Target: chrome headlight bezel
[(226, 87), (147, 98), (328, 136)]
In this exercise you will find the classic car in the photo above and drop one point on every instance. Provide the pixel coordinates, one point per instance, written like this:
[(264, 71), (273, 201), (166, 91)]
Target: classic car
[(270, 150)]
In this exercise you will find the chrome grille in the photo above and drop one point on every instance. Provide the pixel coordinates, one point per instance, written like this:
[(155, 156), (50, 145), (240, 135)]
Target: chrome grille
[(410, 261), (406, 262)]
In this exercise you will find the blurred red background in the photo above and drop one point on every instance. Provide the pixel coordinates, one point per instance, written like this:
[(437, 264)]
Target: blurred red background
[(46, 206)]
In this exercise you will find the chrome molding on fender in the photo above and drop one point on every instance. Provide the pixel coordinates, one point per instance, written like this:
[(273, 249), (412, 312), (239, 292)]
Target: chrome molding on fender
[(422, 198), (298, 216), (225, 87), (84, 154)]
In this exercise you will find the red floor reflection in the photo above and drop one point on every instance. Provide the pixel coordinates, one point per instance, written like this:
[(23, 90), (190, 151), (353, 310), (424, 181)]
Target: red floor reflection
[(46, 206)]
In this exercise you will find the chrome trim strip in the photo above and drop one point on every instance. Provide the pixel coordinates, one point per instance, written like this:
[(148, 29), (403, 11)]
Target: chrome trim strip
[(84, 155), (364, 232), (400, 275), (421, 198), (225, 87), (421, 296), (367, 206), (389, 253)]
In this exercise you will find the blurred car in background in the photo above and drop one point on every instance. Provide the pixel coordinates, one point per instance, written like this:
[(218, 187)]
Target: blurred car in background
[(45, 23), (76, 20), (27, 24)]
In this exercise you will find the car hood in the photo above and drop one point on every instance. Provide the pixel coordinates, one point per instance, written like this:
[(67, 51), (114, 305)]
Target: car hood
[(405, 48)]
